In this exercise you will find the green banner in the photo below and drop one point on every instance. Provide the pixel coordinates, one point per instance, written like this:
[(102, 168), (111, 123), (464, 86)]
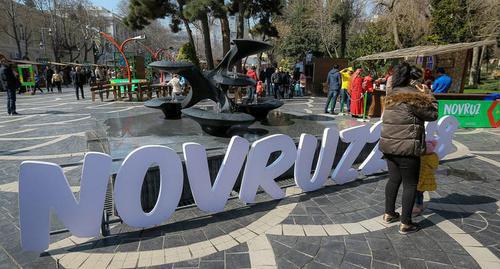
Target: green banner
[(472, 113), (26, 75)]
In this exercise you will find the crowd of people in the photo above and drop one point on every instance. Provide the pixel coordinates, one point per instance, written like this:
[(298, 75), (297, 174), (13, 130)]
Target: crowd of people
[(353, 86), (273, 81), (52, 78)]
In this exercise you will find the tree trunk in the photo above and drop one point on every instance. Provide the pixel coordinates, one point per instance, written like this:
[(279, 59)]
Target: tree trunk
[(473, 68), (240, 30), (240, 24), (189, 32), (343, 38), (480, 64), (226, 34), (206, 41), (395, 33), (13, 22)]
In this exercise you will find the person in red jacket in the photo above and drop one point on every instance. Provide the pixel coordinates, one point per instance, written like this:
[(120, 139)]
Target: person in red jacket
[(251, 90), (368, 88), (357, 93)]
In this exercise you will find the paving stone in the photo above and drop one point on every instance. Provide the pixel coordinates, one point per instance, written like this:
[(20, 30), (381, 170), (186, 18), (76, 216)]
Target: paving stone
[(187, 264), (358, 259), (284, 263), (464, 261), (326, 256), (357, 246), (237, 260), (412, 264), (212, 265), (433, 265), (381, 265), (315, 265), (299, 259), (385, 256), (307, 245)]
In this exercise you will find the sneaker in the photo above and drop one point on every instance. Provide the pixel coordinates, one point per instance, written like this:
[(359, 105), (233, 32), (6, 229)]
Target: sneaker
[(14, 113), (417, 211), (391, 219), (408, 229)]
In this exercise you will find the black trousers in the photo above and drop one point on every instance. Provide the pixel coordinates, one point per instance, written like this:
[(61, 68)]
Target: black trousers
[(402, 169), (81, 90), (58, 85), (11, 101)]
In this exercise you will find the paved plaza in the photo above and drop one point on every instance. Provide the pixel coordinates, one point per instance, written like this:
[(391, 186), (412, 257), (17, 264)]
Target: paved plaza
[(334, 227)]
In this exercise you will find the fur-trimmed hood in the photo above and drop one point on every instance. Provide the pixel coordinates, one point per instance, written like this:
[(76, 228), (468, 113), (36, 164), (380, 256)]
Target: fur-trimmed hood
[(413, 98)]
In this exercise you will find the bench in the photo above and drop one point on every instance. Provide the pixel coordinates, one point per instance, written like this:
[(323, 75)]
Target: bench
[(101, 88)]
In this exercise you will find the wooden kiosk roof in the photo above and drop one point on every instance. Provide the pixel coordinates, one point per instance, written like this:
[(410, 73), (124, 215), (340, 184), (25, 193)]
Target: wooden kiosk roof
[(425, 50)]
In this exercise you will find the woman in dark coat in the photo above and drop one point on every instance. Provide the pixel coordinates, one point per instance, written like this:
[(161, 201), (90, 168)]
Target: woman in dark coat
[(403, 141)]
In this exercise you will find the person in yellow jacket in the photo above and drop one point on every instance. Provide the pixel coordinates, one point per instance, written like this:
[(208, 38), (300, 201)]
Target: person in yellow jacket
[(346, 74), (429, 163)]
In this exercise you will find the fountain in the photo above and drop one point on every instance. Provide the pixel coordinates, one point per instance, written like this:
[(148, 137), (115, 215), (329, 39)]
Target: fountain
[(214, 85)]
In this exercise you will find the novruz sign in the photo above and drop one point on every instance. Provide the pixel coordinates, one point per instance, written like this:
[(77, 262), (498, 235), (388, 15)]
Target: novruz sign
[(43, 186), (472, 113)]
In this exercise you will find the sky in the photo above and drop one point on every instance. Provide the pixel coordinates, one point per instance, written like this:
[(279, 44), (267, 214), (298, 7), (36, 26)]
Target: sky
[(108, 4)]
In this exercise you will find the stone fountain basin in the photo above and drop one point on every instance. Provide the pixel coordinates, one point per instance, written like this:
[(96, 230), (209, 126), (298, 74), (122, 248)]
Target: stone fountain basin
[(261, 108), (170, 108), (218, 123)]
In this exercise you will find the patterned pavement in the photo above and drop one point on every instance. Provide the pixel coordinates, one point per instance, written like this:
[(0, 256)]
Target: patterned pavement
[(335, 227)]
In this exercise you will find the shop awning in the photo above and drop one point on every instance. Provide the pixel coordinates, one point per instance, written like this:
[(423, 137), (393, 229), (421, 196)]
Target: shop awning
[(26, 62), (425, 50)]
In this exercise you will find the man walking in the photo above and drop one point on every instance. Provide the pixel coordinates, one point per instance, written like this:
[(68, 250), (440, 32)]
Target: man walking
[(276, 79), (334, 82), (10, 83), (48, 79), (80, 79)]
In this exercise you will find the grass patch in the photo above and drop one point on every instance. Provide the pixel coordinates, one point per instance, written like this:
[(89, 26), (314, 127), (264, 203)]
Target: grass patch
[(486, 86)]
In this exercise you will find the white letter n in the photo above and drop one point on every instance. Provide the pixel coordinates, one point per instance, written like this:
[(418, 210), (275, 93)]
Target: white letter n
[(43, 186)]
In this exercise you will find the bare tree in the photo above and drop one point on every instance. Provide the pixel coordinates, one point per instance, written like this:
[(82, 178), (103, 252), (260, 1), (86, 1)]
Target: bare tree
[(17, 24), (407, 17)]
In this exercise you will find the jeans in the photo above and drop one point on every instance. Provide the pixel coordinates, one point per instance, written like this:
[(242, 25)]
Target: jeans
[(347, 100), (277, 91), (332, 95), (419, 199), (250, 94), (81, 90), (269, 88), (402, 169), (11, 101)]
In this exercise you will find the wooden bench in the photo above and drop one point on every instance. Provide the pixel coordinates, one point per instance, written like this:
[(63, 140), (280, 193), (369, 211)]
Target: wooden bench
[(101, 88)]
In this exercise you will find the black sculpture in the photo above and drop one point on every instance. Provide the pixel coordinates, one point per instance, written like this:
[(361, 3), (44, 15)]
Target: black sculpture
[(213, 85)]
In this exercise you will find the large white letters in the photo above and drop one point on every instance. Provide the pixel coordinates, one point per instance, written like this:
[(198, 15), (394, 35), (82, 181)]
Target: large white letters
[(357, 137), (447, 126), (258, 173), (305, 156), (208, 198), (43, 186), (129, 180), (374, 162)]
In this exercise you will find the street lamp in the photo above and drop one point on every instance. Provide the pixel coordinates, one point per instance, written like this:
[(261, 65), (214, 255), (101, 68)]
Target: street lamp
[(119, 47), (42, 42)]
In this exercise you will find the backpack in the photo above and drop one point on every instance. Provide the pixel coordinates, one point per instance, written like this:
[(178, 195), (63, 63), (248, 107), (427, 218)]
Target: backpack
[(276, 78)]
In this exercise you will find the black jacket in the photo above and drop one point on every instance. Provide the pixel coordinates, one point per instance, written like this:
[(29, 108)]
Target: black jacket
[(8, 79)]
